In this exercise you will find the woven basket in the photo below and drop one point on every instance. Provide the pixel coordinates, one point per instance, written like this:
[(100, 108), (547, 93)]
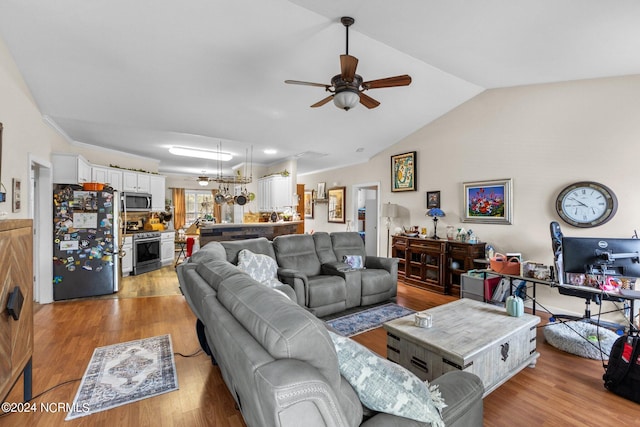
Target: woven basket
[(501, 264)]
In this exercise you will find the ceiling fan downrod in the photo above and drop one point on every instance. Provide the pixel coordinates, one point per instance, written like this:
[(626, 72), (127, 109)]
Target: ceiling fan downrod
[(347, 21)]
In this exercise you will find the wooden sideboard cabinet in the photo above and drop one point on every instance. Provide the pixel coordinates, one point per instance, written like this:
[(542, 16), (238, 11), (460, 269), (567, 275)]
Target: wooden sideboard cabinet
[(434, 264), (16, 336)]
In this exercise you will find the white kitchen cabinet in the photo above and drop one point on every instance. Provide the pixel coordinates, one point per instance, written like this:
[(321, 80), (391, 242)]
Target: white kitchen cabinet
[(136, 182), (70, 168), (126, 263), (274, 193), (167, 247), (157, 190), (105, 175)]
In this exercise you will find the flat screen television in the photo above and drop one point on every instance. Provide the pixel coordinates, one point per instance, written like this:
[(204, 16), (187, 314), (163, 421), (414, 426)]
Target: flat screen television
[(591, 255)]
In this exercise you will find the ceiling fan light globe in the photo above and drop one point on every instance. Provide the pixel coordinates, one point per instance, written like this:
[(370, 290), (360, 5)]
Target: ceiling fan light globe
[(203, 182), (346, 99)]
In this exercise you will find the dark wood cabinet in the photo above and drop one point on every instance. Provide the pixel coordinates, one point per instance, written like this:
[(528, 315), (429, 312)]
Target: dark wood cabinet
[(460, 260), (434, 264)]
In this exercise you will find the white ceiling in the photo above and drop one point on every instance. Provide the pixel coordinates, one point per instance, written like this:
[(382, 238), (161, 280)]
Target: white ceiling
[(141, 75)]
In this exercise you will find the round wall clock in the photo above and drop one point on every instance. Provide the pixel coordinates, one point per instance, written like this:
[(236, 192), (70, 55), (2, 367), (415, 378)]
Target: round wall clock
[(586, 204)]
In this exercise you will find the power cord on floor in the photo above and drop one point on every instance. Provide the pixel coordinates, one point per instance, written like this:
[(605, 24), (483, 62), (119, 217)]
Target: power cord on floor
[(5, 413), (188, 355)]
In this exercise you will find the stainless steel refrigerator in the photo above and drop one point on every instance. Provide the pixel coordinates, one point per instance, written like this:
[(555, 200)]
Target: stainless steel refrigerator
[(86, 242)]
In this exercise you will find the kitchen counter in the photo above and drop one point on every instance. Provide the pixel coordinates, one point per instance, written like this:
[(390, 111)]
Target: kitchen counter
[(222, 232)]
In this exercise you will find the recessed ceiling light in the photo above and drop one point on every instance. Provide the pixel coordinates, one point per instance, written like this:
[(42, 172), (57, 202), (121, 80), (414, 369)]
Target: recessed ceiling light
[(270, 151), (200, 153), (359, 150)]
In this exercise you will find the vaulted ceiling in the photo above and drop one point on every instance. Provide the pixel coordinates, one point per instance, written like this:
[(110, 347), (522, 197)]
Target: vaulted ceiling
[(140, 76)]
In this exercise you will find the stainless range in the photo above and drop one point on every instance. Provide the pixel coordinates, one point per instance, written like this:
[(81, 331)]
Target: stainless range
[(146, 252)]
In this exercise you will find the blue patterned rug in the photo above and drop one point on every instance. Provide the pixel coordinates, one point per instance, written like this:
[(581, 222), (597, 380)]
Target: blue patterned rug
[(123, 373), (362, 321)]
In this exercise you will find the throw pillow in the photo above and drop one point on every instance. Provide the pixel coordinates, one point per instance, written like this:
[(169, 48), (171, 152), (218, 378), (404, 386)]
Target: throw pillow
[(354, 261), (385, 386), (261, 268)]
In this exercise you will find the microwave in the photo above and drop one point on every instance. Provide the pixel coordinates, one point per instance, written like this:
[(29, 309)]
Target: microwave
[(136, 202)]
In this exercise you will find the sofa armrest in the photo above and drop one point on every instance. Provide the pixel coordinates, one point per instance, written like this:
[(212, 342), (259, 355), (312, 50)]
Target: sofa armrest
[(292, 390), (298, 281), (377, 262)]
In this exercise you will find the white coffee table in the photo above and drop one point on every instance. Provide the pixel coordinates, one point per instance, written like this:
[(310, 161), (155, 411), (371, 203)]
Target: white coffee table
[(466, 335)]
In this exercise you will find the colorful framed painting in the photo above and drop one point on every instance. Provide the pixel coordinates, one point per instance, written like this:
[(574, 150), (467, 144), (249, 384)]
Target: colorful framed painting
[(308, 204), (488, 202), (336, 205), (433, 199), (403, 172)]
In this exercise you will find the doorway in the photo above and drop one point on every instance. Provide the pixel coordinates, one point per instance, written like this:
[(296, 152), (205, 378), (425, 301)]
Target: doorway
[(41, 212), (366, 205)]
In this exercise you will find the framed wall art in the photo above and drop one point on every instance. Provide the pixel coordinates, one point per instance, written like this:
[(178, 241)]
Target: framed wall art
[(488, 202), (403, 172), (321, 193), (433, 199), (336, 204), (16, 195), (308, 204)]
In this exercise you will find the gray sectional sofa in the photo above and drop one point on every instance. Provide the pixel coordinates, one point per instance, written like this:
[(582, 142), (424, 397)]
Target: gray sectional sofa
[(278, 359), (311, 264)]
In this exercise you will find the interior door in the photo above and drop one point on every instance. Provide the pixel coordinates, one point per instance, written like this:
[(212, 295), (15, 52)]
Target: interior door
[(371, 227)]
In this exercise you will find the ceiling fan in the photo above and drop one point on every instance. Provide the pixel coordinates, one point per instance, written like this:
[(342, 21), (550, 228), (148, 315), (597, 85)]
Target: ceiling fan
[(347, 88)]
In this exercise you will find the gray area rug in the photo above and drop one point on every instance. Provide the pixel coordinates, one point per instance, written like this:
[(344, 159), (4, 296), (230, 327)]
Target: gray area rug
[(366, 320), (581, 338), (123, 373)]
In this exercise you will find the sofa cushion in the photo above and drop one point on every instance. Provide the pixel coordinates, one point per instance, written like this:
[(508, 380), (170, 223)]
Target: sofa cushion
[(261, 268), (215, 271), (210, 251), (324, 249), (283, 328), (385, 386), (259, 245), (297, 252), (348, 243)]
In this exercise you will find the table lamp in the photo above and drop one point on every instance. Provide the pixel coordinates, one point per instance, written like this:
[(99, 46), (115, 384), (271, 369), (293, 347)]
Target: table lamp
[(389, 211), (435, 213)]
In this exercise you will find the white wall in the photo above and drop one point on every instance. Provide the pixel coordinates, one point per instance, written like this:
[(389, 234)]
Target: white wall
[(544, 137)]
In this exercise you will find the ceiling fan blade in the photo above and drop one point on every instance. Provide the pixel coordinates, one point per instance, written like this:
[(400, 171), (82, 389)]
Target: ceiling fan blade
[(348, 65), (403, 80), (322, 102), (298, 82), (368, 101)]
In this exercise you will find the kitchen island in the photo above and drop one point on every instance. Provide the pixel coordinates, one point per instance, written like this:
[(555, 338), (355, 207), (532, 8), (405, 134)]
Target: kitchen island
[(225, 232)]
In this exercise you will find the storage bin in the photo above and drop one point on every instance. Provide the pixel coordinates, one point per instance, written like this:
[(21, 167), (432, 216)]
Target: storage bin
[(501, 264)]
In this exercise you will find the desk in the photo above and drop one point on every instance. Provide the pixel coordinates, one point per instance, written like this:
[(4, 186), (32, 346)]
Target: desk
[(606, 296)]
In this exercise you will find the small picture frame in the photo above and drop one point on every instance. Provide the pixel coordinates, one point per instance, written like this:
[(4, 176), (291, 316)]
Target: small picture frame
[(322, 192), (403, 172), (308, 204), (16, 195), (488, 202), (433, 199), (336, 205)]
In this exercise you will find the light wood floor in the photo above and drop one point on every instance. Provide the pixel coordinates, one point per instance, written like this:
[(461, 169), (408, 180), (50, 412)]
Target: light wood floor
[(562, 390)]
